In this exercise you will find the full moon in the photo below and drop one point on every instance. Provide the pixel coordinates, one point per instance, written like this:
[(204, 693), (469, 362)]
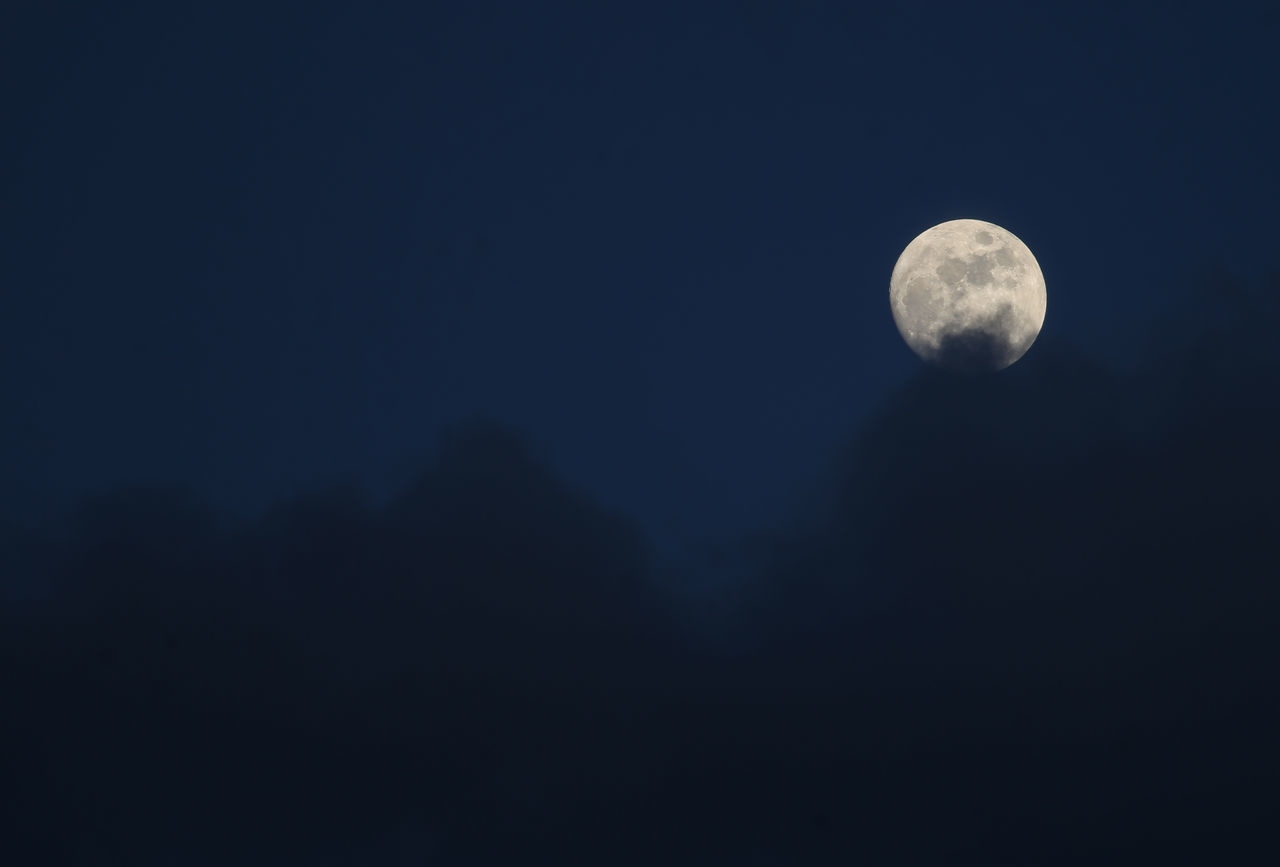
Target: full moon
[(968, 295)]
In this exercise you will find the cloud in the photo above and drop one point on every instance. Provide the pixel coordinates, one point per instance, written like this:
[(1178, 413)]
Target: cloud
[(1032, 609)]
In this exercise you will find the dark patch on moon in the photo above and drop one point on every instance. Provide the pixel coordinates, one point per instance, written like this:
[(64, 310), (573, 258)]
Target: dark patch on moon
[(919, 303), (951, 271), (981, 347), (955, 272), (982, 237), (978, 272)]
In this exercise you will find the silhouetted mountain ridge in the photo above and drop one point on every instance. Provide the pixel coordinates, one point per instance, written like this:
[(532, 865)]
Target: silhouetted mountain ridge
[(1032, 623)]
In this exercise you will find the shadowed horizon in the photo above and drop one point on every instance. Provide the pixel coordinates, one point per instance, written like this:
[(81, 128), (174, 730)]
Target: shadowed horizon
[(1029, 620)]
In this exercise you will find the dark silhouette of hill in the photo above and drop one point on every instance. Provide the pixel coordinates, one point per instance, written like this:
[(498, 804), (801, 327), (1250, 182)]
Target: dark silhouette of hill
[(1034, 622)]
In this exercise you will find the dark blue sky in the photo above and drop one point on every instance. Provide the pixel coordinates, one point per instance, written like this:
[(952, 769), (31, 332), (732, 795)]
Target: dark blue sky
[(257, 249), (1021, 618)]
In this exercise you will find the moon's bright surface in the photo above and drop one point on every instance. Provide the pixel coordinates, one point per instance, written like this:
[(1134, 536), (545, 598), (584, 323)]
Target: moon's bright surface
[(968, 294)]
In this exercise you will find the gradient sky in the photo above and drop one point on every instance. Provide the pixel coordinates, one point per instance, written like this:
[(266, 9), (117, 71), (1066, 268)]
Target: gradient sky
[(898, 616), (261, 249)]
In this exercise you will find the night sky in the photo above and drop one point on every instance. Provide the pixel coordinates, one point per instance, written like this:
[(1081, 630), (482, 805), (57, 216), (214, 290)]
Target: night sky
[(476, 433)]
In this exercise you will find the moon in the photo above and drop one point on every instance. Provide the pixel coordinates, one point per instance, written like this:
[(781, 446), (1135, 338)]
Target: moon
[(968, 295)]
